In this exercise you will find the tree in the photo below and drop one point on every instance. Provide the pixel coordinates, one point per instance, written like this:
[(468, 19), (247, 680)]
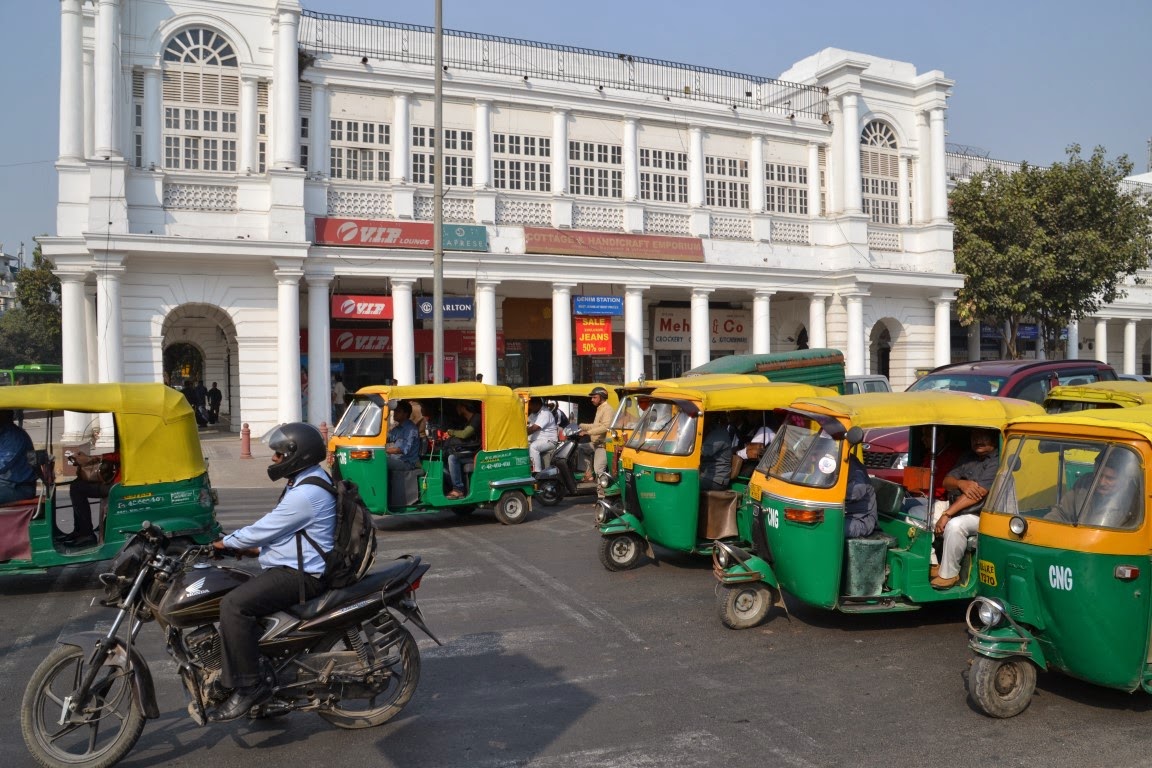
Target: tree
[(1050, 245), (30, 331)]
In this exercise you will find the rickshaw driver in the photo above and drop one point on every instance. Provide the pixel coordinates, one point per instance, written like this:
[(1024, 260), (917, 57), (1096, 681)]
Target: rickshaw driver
[(715, 454), (403, 446), (967, 484), (860, 508), (1112, 495), (17, 475)]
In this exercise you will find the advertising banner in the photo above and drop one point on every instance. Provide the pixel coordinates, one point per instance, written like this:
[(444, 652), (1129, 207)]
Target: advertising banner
[(417, 235), (729, 329), (346, 341), (570, 242), (598, 306), (455, 307), (593, 336), (356, 307)]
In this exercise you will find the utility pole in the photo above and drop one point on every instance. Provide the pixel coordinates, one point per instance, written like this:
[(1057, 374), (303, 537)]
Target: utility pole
[(438, 204)]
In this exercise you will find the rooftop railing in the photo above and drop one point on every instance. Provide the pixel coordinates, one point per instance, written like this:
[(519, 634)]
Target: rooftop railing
[(392, 41)]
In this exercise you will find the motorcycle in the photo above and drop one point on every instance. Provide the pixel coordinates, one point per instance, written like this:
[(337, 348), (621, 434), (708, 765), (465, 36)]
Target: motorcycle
[(560, 477), (344, 655)]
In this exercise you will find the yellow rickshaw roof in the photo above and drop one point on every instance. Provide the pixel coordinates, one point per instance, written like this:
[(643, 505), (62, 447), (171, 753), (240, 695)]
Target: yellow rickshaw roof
[(561, 391), (1137, 419), (907, 409), (691, 382), (758, 395), (502, 410), (156, 432), (1125, 393)]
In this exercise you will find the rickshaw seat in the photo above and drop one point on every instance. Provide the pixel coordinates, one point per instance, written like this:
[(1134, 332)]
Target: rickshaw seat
[(889, 497), (404, 487), (15, 518), (718, 518), (865, 563)]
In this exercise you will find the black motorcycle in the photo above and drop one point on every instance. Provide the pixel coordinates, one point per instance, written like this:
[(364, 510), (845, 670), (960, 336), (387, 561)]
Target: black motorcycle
[(561, 476), (343, 655)]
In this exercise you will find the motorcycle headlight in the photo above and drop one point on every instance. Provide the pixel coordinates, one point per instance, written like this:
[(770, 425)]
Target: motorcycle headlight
[(989, 613), (901, 461)]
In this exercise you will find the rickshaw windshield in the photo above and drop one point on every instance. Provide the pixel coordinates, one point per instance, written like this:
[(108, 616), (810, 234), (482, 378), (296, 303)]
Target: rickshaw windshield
[(1092, 484), (631, 409), (665, 428), (802, 453), (362, 418)]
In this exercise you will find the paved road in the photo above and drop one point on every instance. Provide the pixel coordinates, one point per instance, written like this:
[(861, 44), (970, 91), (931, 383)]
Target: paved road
[(551, 661)]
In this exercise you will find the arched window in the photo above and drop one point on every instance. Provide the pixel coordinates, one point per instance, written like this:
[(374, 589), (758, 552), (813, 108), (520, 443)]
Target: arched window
[(201, 102), (880, 173)]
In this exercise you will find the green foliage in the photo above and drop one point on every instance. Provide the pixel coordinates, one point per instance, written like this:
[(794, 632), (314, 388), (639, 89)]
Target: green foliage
[(30, 332), (1050, 245)]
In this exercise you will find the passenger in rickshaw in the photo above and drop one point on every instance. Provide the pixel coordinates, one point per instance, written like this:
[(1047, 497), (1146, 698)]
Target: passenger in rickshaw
[(1108, 497), (461, 445), (715, 454), (403, 446), (94, 478), (17, 473), (947, 454), (542, 434), (967, 485), (860, 508)]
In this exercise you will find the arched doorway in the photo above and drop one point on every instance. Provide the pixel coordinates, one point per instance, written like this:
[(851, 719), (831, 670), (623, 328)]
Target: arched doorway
[(183, 361), (199, 342), (888, 351)]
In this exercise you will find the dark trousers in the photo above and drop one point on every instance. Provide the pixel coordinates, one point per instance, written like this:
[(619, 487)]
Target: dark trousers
[(273, 590), (79, 491)]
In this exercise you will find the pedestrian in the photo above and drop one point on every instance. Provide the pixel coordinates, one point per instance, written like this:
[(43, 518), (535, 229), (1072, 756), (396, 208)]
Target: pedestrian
[(338, 395), (480, 378), (197, 405), (214, 398)]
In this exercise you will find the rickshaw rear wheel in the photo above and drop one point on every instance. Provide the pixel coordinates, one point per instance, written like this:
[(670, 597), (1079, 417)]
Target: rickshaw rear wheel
[(621, 552), (1001, 687), (743, 606), (512, 508)]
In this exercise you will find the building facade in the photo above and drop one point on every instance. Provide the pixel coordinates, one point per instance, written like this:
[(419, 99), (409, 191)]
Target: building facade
[(245, 196)]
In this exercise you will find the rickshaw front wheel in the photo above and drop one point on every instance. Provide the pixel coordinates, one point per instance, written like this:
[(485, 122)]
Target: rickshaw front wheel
[(743, 606), (512, 508), (621, 552), (1001, 687)]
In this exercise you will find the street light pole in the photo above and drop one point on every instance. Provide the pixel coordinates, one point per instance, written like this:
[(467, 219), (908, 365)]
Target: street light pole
[(438, 204)]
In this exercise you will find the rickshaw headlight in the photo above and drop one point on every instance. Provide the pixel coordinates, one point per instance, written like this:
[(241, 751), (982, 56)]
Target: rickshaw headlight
[(601, 516), (1018, 525), (989, 613), (604, 480), (722, 557)]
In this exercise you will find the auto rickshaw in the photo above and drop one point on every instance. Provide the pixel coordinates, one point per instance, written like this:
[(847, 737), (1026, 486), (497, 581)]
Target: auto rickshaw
[(660, 470), (1065, 580), (1121, 393), (797, 504), (495, 466), (161, 474)]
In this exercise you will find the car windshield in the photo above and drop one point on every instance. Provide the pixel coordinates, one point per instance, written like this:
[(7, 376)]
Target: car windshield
[(960, 382), (362, 418), (664, 428), (802, 454), (1072, 482)]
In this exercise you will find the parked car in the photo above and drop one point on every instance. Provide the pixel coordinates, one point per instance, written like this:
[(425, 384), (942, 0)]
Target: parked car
[(886, 451), (855, 385)]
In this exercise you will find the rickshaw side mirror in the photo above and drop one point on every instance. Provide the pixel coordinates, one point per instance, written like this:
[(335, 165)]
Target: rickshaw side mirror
[(855, 436)]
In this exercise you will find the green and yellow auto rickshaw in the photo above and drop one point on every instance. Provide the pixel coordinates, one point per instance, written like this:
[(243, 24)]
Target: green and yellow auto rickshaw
[(660, 469), (797, 497), (494, 464), (1121, 393), (1065, 577), (160, 474)]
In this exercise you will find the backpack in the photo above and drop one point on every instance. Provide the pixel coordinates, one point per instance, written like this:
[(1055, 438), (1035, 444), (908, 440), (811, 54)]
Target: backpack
[(353, 541), (561, 418)]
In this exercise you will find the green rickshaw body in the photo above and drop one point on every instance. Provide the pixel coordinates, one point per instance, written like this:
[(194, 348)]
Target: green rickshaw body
[(497, 468), (162, 476), (797, 505), (1065, 577)]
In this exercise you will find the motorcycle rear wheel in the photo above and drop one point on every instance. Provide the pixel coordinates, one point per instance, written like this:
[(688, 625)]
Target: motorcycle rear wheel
[(112, 720), (397, 692)]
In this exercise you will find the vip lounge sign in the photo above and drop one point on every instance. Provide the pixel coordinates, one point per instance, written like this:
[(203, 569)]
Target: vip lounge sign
[(416, 235), (728, 329), (356, 307), (593, 336)]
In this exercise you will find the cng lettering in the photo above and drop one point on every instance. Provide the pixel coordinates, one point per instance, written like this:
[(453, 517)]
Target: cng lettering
[(1060, 577), (772, 517)]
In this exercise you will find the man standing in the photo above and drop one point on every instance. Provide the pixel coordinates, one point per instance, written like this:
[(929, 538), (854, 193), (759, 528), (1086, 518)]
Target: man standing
[(541, 432), (967, 485), (338, 393), (214, 398), (598, 428)]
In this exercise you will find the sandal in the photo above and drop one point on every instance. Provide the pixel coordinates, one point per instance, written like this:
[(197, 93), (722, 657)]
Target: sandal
[(454, 494)]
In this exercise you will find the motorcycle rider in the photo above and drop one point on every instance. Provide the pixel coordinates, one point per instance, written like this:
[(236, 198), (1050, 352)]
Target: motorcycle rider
[(542, 434), (298, 450)]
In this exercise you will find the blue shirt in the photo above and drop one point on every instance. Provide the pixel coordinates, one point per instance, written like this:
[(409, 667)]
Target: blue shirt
[(302, 507), (406, 437), (15, 469)]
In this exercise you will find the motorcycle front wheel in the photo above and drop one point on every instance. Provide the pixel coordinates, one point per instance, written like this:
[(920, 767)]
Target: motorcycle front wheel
[(101, 730), (399, 654)]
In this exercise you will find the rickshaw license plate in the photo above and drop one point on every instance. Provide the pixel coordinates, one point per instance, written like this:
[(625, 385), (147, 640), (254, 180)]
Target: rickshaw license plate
[(754, 491), (626, 462), (988, 573)]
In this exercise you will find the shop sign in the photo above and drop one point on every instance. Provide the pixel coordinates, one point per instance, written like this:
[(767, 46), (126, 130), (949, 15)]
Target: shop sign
[(593, 335), (990, 331), (455, 307), (571, 242), (398, 234), (728, 328), (348, 341), (356, 307), (1027, 331), (598, 306)]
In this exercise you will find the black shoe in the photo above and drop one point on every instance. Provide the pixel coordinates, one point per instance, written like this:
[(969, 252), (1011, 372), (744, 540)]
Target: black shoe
[(241, 703), (76, 540)]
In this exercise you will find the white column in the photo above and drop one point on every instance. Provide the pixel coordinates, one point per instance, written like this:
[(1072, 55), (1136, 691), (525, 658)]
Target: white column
[(761, 322), (833, 182), (248, 124), (701, 331), (813, 181), (1101, 351), (562, 333), (695, 167), (902, 192), (288, 344), (631, 161), (482, 171), (939, 177), (943, 334), (854, 362), (559, 151), (851, 138), (921, 171), (106, 97), (286, 97), (403, 334), (486, 330), (817, 321), (73, 346), (1072, 351), (1129, 347), (89, 123), (320, 133), (319, 350), (153, 118), (401, 137), (634, 332), (756, 173), (90, 325), (109, 335), (71, 80)]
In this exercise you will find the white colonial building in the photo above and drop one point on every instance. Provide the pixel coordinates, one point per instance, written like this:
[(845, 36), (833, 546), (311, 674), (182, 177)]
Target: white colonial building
[(246, 193)]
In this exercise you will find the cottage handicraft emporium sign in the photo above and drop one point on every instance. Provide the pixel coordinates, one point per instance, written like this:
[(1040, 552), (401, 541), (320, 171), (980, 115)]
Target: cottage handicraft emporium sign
[(570, 242)]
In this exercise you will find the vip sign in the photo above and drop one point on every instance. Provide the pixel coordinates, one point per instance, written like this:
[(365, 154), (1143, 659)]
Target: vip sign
[(593, 336), (350, 307), (347, 341)]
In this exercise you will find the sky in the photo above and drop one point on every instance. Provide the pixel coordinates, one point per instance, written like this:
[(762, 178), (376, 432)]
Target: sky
[(1031, 76)]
